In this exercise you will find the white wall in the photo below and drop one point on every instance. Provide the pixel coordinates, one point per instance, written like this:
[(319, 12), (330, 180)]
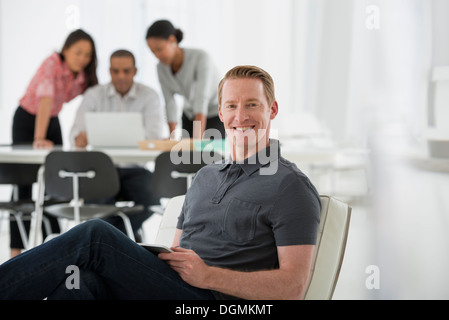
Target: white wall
[(438, 111), (30, 31), (334, 65), (389, 67), (2, 116)]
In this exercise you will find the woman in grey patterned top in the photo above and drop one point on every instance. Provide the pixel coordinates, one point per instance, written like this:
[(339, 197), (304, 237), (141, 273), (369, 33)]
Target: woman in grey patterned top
[(189, 73)]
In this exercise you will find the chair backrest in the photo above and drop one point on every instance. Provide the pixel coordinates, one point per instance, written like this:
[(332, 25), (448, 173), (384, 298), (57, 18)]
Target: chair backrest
[(18, 173), (329, 250), (164, 185), (105, 183), (167, 228)]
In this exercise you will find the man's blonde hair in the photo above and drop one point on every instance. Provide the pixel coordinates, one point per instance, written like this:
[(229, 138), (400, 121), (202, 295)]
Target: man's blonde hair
[(252, 72)]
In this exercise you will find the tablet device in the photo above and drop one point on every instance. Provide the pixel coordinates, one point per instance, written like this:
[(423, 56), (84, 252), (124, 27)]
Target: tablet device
[(156, 248)]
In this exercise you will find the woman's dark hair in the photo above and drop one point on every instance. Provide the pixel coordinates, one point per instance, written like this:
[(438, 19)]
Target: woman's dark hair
[(164, 29), (91, 69)]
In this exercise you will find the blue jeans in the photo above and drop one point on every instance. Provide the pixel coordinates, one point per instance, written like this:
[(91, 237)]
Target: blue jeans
[(111, 266)]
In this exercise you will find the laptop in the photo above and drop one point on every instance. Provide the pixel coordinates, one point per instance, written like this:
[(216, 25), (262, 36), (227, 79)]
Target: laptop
[(114, 129)]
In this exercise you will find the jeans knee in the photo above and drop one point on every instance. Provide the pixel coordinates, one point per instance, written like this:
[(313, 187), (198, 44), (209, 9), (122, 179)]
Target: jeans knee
[(95, 226)]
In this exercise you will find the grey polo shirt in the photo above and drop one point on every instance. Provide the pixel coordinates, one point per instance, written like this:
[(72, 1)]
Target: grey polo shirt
[(235, 215)]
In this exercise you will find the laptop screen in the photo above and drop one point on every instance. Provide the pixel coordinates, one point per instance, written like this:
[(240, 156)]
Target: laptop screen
[(114, 129)]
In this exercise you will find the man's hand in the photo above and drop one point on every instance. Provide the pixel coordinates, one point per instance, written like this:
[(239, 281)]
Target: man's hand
[(289, 281), (190, 267)]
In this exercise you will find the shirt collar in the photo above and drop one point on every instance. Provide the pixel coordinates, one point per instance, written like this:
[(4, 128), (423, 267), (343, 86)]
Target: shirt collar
[(131, 93), (255, 162), (80, 78)]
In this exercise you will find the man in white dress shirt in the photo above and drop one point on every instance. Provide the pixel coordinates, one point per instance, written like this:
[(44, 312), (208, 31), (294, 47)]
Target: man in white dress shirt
[(123, 94)]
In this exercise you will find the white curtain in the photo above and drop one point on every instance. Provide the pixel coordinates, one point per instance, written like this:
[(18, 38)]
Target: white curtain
[(389, 66)]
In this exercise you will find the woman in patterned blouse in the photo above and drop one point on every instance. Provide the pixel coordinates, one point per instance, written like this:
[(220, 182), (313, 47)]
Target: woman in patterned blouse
[(60, 78)]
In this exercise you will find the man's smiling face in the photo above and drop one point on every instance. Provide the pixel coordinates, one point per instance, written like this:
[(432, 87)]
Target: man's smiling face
[(246, 116)]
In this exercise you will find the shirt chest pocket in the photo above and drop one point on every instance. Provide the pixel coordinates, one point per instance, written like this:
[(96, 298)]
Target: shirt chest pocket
[(240, 220)]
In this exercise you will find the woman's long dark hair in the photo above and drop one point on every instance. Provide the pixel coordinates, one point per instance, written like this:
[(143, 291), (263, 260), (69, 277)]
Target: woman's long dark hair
[(91, 69)]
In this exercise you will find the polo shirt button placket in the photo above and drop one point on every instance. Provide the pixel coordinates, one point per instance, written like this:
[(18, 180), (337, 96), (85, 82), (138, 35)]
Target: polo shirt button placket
[(231, 176)]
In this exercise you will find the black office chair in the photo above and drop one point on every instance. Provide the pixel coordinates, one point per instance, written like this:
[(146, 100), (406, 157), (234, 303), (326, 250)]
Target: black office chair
[(84, 175), (174, 172), (16, 175)]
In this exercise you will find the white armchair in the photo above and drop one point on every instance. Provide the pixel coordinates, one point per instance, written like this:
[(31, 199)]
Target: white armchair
[(329, 249)]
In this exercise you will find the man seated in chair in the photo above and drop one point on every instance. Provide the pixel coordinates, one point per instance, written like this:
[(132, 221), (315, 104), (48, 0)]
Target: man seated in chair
[(123, 94), (247, 228)]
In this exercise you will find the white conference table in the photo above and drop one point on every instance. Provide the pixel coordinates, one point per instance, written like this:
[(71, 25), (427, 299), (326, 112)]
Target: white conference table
[(26, 154)]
